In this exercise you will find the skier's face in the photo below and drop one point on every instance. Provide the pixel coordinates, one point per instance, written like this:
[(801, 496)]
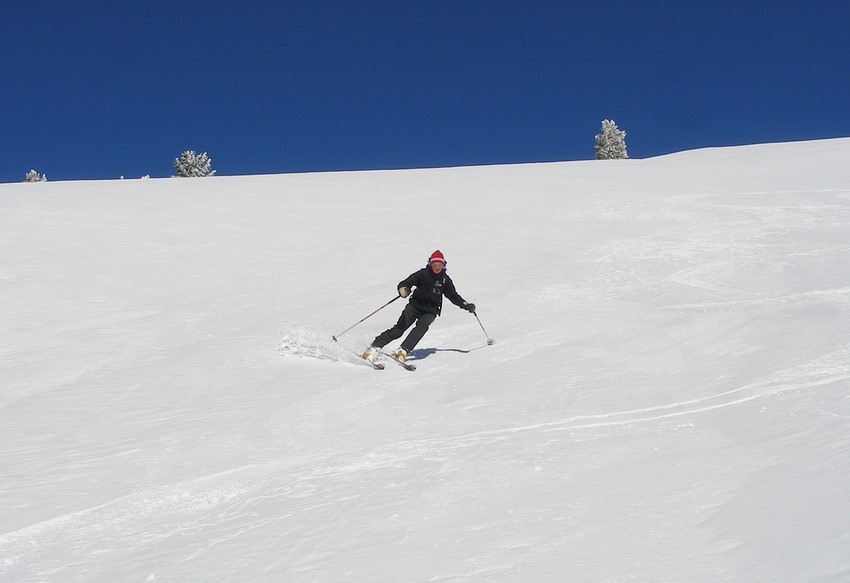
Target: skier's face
[(436, 266)]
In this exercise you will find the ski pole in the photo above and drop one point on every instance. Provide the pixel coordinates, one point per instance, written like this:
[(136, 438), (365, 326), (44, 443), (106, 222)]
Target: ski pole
[(367, 317), (489, 340)]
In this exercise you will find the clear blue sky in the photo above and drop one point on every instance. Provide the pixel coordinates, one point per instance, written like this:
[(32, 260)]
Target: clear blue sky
[(104, 89)]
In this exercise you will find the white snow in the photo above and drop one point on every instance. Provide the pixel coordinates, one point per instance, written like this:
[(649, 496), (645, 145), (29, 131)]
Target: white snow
[(667, 399)]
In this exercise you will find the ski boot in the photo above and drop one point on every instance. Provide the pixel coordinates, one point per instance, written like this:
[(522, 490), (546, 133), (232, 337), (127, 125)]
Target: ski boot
[(371, 354)]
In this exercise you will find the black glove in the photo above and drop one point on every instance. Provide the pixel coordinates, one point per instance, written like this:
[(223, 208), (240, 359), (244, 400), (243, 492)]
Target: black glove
[(468, 306)]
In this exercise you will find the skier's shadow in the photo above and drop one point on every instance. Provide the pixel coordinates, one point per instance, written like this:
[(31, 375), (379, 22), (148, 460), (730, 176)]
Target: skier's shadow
[(423, 353)]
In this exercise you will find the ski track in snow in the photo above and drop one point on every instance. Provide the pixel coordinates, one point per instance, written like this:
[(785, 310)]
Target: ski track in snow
[(222, 496)]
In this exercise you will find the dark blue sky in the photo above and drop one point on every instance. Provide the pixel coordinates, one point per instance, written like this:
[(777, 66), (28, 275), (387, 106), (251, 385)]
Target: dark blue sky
[(104, 89)]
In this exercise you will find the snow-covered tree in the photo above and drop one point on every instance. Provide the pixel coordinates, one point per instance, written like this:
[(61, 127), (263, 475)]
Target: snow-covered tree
[(33, 176), (190, 165), (611, 143)]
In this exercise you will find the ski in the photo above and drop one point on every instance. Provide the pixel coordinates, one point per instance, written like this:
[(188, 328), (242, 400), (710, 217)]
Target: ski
[(406, 365), (375, 365)]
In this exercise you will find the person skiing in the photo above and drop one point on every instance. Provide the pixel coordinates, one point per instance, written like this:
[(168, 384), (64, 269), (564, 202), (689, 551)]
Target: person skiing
[(429, 284)]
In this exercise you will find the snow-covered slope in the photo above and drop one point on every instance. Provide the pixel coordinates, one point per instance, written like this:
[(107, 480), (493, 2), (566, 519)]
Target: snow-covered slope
[(667, 399)]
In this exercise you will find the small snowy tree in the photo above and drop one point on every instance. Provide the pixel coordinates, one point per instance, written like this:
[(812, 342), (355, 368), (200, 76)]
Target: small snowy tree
[(190, 165), (33, 176), (611, 143)]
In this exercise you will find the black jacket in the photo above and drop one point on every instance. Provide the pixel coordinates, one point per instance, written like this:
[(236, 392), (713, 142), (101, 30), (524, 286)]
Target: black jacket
[(430, 288)]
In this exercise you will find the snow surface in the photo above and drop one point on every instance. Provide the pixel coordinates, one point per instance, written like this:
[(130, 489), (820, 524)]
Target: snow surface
[(667, 399)]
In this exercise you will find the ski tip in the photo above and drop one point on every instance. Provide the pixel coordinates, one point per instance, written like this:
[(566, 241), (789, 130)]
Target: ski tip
[(375, 365)]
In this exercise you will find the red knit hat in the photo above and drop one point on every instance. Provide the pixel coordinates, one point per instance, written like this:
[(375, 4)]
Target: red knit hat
[(437, 257)]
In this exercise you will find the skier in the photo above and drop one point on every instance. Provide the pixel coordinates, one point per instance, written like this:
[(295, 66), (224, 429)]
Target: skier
[(429, 284)]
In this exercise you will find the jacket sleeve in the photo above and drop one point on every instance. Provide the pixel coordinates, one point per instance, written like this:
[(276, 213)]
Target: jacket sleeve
[(450, 292), (410, 281)]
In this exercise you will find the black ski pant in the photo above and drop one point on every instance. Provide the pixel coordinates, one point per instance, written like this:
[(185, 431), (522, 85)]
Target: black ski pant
[(408, 317)]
